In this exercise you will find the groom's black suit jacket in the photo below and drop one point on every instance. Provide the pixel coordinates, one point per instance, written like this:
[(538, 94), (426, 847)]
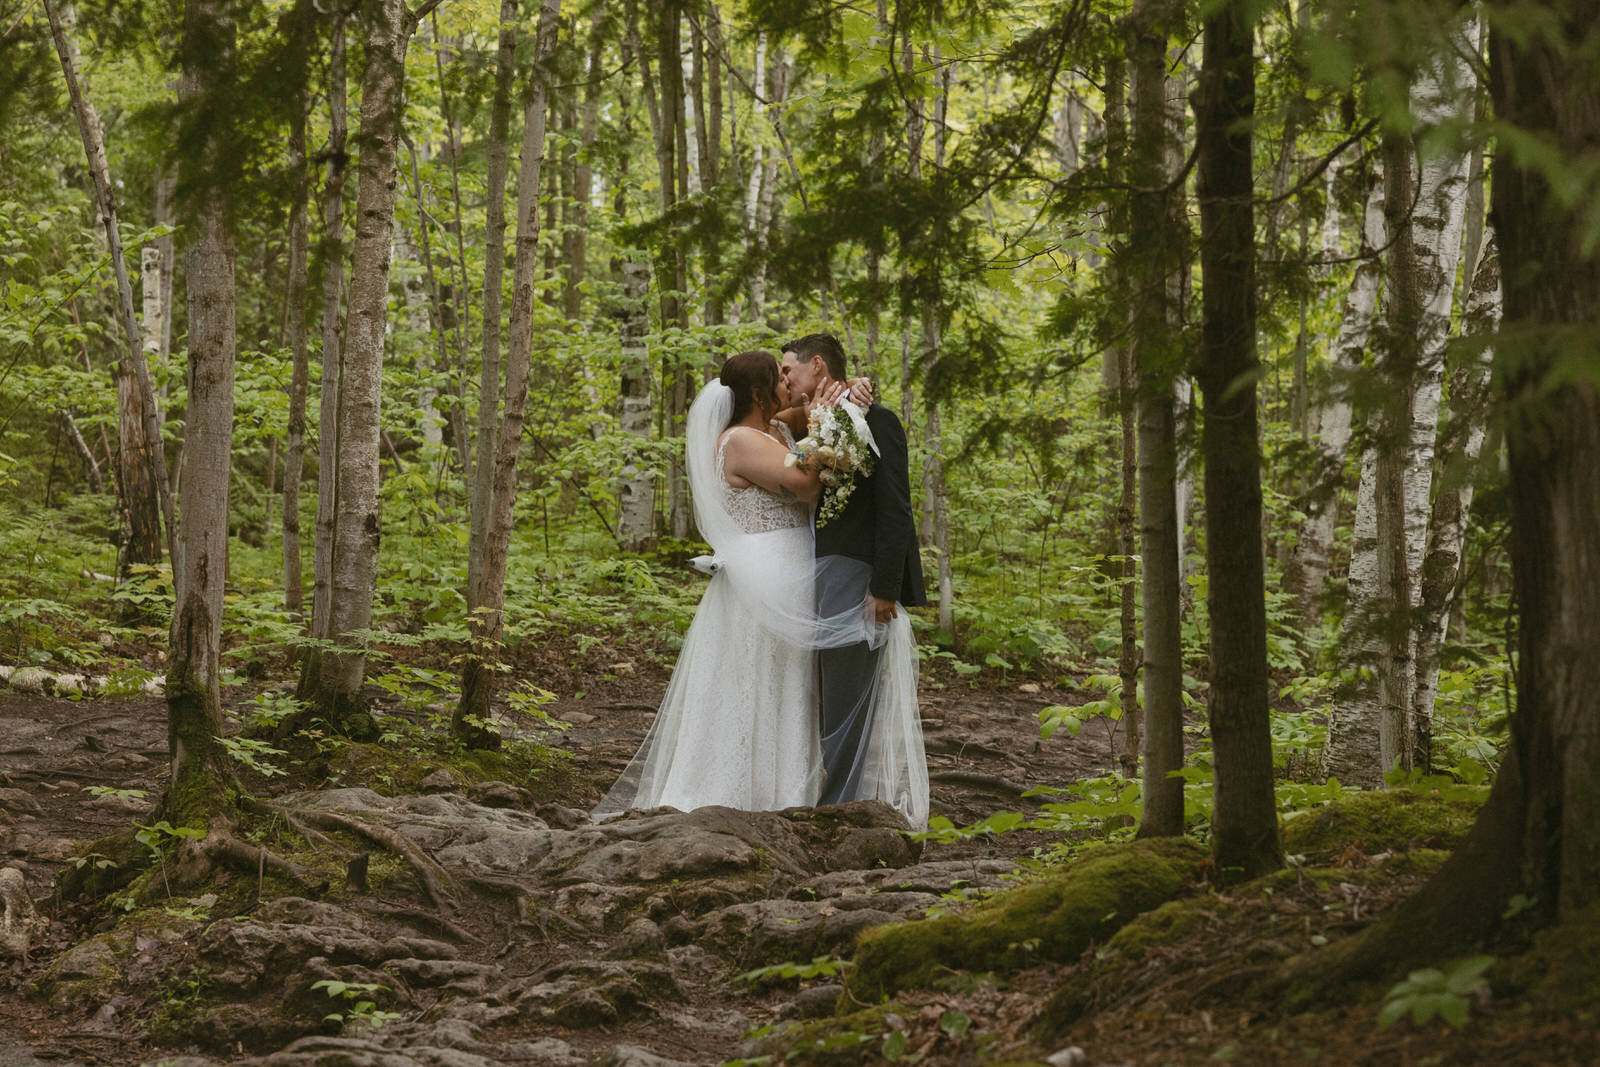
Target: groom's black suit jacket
[(876, 524)]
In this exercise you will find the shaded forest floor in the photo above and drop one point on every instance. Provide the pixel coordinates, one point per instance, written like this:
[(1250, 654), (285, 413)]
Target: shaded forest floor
[(549, 941)]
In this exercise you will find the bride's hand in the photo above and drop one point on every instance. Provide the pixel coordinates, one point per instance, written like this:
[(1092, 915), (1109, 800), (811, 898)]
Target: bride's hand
[(831, 394), (861, 391)]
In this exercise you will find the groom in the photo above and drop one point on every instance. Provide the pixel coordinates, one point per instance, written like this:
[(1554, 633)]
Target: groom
[(875, 528)]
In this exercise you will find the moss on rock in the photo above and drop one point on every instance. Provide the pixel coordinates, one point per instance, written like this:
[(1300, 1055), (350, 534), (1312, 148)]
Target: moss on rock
[(837, 1041), (1383, 821), (1054, 918)]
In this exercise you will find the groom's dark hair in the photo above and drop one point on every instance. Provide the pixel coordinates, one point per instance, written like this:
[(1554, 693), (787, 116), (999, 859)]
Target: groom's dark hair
[(825, 345)]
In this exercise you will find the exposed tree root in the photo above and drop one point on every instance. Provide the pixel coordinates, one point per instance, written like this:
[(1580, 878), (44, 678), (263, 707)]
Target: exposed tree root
[(992, 783), (313, 837), (429, 873), (423, 917), (223, 848)]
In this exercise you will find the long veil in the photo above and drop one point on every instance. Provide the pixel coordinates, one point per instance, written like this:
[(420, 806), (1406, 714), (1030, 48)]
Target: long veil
[(770, 582)]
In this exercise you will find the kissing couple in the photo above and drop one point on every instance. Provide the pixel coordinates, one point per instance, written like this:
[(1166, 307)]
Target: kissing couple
[(797, 681)]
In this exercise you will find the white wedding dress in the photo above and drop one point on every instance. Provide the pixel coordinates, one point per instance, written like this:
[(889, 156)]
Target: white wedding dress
[(738, 726)]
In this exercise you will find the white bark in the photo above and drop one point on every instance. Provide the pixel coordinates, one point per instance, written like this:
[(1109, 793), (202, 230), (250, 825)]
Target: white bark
[(487, 619), (1460, 445), (1308, 568), (636, 488), (419, 323), (1383, 588), (332, 349), (147, 495), (357, 522)]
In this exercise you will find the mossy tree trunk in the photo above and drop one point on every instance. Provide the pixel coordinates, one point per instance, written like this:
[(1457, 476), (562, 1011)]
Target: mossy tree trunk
[(1245, 817), (200, 772), (1539, 833)]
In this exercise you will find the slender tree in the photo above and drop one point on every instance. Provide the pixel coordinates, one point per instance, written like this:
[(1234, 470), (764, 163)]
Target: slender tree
[(294, 454), (494, 258), (1155, 255), (335, 692), (200, 767), (1307, 573), (1460, 443), (142, 469), (487, 622), (1244, 828), (332, 254)]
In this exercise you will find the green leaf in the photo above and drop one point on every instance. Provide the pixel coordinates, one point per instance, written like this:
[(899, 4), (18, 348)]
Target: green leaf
[(955, 1023), (894, 1046)]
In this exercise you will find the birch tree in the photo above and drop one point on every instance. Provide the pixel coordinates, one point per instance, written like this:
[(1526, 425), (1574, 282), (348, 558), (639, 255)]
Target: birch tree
[(142, 465), (1460, 443), (470, 722), (332, 682), (1307, 572), (1369, 732)]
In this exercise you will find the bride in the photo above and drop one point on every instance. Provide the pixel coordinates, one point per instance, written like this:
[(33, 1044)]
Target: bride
[(738, 725)]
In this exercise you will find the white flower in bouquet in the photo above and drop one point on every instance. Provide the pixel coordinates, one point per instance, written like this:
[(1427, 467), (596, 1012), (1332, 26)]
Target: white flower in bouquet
[(839, 446)]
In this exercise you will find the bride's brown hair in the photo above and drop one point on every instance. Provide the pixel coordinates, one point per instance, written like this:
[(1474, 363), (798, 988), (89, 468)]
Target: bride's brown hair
[(753, 377)]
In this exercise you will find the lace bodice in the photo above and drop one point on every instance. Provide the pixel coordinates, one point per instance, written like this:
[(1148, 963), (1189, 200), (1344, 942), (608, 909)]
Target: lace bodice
[(755, 509)]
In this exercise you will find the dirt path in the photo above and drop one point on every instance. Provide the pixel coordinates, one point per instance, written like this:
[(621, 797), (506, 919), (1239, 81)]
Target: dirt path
[(524, 961)]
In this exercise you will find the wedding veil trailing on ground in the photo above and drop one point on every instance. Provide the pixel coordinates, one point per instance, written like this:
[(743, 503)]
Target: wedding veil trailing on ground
[(744, 682)]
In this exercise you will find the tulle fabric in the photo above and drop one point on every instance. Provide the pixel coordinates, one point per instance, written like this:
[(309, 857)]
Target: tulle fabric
[(738, 725)]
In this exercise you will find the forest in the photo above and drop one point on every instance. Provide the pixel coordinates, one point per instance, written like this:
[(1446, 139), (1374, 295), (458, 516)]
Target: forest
[(1249, 361)]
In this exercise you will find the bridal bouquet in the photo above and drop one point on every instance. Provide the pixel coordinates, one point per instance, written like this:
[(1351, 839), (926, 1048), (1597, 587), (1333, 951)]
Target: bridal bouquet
[(838, 445)]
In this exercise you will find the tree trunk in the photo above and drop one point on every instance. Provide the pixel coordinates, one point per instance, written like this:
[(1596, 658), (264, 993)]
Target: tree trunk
[(299, 238), (1116, 223), (200, 773), (356, 522), (470, 724), (143, 466), (1155, 254), (1538, 836), (1460, 444), (636, 490), (1421, 332), (1244, 825), (332, 358), (91, 467), (675, 157), (778, 71), (431, 325), (494, 257), (935, 492), (457, 304), (1307, 572), (1369, 732), (575, 237)]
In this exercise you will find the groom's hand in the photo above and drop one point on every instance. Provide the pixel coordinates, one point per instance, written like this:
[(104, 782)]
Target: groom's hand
[(882, 610)]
